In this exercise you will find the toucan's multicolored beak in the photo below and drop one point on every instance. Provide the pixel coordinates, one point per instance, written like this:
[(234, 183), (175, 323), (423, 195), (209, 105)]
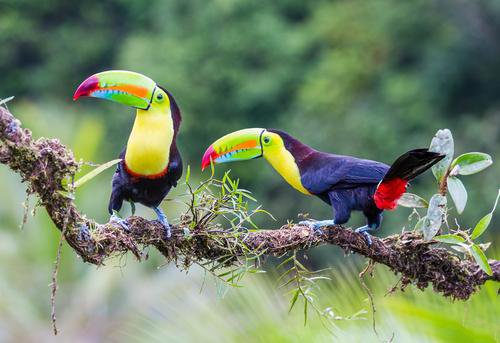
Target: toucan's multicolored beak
[(125, 87), (237, 146)]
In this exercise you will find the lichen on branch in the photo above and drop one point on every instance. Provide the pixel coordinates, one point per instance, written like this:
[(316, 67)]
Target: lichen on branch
[(44, 163)]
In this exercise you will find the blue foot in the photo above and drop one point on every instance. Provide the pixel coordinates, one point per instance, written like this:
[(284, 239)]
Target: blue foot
[(162, 218), (11, 128), (119, 221), (84, 233), (317, 225), (364, 230)]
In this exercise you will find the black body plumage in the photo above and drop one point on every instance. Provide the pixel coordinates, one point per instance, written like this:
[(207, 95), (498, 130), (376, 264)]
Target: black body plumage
[(146, 191), (348, 183)]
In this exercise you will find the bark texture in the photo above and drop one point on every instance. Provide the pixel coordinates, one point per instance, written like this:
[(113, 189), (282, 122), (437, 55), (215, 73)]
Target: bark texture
[(44, 163)]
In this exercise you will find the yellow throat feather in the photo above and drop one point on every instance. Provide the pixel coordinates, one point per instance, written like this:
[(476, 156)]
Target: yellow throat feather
[(284, 163), (148, 147)]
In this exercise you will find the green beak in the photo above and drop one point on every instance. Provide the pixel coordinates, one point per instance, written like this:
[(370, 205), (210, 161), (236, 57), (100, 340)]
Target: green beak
[(237, 146), (125, 87)]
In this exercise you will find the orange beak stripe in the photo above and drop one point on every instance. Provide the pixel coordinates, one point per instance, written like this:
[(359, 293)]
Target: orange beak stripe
[(131, 89), (245, 145)]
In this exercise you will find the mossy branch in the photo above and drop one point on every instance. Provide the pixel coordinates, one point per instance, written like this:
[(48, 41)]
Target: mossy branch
[(44, 163)]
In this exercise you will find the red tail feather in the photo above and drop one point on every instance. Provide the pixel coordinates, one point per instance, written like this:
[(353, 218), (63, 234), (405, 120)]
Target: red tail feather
[(388, 193), (404, 169)]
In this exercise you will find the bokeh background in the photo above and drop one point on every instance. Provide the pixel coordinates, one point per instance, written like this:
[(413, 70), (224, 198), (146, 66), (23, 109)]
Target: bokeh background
[(365, 78)]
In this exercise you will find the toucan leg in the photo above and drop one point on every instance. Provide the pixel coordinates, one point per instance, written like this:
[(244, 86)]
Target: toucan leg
[(162, 218), (317, 225), (365, 231), (132, 207), (122, 222)]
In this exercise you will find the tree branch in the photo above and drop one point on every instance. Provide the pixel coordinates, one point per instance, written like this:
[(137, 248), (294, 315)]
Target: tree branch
[(44, 163)]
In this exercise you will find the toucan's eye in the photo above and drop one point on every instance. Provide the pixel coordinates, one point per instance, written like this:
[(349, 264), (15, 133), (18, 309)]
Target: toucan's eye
[(159, 97), (267, 140)]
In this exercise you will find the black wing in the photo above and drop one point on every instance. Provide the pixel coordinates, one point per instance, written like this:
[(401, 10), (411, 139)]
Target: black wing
[(322, 172)]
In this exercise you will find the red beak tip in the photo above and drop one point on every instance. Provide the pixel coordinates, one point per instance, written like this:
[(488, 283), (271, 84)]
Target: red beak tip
[(86, 87), (207, 158)]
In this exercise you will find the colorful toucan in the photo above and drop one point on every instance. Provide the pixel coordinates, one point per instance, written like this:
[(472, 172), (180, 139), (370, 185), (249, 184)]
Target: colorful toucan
[(151, 163), (344, 182)]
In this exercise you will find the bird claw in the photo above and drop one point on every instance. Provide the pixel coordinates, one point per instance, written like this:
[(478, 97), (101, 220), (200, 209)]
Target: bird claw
[(162, 218), (306, 223), (84, 233), (166, 229), (364, 231), (120, 221), (368, 237), (11, 128), (317, 225)]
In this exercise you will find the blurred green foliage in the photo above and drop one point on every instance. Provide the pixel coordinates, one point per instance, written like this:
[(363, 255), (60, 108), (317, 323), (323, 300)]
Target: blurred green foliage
[(367, 78)]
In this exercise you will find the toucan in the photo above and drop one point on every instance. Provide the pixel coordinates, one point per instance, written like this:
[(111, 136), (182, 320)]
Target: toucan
[(150, 163), (345, 183)]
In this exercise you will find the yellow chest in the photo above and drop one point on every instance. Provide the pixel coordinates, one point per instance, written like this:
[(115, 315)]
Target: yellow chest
[(148, 147), (284, 163)]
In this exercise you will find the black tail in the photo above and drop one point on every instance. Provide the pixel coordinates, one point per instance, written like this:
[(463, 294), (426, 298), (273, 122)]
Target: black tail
[(407, 167), (412, 163)]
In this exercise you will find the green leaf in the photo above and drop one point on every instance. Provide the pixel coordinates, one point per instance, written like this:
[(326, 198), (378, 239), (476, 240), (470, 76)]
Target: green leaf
[(461, 248), (294, 300), (434, 218), (481, 259), (481, 226), (471, 163), (484, 222), (442, 143), (412, 200), (89, 176), (420, 224), (66, 194), (458, 193), (188, 173), (452, 239), (484, 246), (247, 195)]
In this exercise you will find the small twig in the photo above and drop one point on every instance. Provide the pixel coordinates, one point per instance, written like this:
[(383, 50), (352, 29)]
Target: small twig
[(53, 285), (26, 211), (393, 288), (443, 184), (369, 269)]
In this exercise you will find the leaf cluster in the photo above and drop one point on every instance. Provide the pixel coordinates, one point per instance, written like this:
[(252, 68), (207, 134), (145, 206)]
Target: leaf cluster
[(447, 173)]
